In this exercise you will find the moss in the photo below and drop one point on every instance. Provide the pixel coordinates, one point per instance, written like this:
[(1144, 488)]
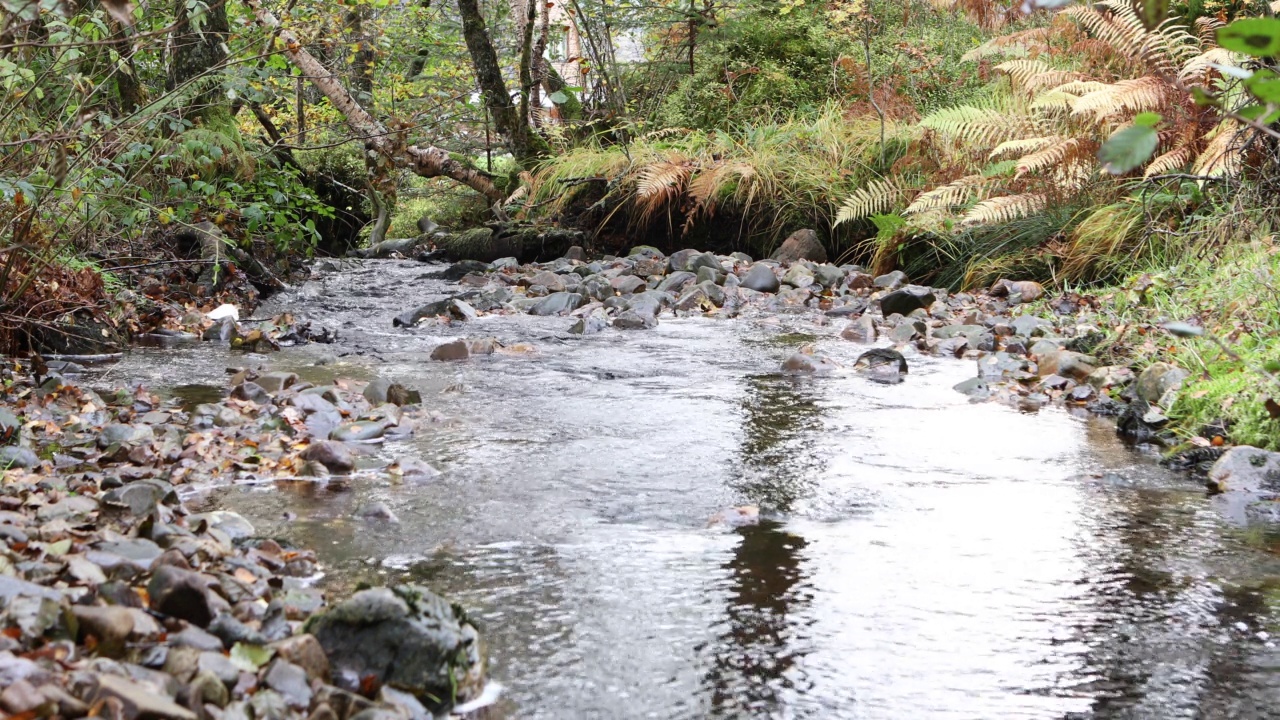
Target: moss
[(1236, 395)]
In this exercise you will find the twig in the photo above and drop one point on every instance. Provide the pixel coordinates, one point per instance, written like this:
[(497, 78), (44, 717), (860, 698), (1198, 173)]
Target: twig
[(158, 263)]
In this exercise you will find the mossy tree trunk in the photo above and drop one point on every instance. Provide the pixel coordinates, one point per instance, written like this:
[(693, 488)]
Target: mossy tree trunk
[(199, 41)]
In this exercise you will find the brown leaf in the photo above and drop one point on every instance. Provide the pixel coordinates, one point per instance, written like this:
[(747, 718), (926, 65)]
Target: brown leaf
[(1273, 408)]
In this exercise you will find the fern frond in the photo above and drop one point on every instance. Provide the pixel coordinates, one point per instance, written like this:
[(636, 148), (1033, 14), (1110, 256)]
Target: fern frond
[(660, 183), (1175, 159), (1201, 65), (1022, 146), (1207, 30), (945, 197), (1053, 101), (1081, 87), (877, 196), (1020, 71), (1223, 156), (1137, 95), (1018, 44), (1050, 156), (1003, 209), (977, 125), (1051, 80)]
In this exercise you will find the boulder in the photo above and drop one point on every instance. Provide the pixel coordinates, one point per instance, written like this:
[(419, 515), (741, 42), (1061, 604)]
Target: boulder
[(454, 350), (335, 456), (1020, 291), (905, 300), (806, 363), (558, 303), (182, 594), (405, 637), (761, 278), (801, 245), (882, 365)]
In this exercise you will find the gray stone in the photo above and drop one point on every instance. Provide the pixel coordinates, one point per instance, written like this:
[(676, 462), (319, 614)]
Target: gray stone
[(183, 594), (359, 431), (891, 280), (250, 391), (290, 681), (1001, 364), (140, 497), (547, 279), (1066, 363), (676, 282), (950, 331), (1030, 326), (680, 259), (627, 284), (1159, 382), (558, 303), (593, 323), (274, 382), (632, 320), (13, 456), (137, 701), (861, 329), (335, 456), (304, 651), (903, 301), (807, 363), (208, 689), (761, 278), (376, 391), (454, 350), (828, 276), (122, 434), (1248, 480), (405, 637), (798, 276), (1110, 376), (882, 365)]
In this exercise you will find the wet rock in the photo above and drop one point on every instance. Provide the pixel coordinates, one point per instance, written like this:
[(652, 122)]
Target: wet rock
[(736, 517), (807, 363), (183, 594), (208, 689), (591, 324), (454, 350), (632, 320), (976, 388), (576, 253), (335, 456), (645, 251), (1248, 480), (890, 280), (1001, 365), (1159, 382), (882, 365), (1066, 363), (358, 431), (676, 282), (483, 346), (627, 284), (405, 637), (377, 511), (136, 700), (801, 245), (276, 382), (905, 300), (413, 317), (252, 392), (908, 331), (12, 456), (678, 261), (761, 278), (1082, 393), (861, 329), (559, 303), (950, 331), (553, 282)]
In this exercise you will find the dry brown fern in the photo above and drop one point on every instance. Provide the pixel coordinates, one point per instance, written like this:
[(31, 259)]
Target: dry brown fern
[(1004, 208), (1142, 94), (1058, 153), (1223, 156), (943, 198)]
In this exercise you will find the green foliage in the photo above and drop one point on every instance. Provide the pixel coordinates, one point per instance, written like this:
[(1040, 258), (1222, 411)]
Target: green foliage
[(756, 66)]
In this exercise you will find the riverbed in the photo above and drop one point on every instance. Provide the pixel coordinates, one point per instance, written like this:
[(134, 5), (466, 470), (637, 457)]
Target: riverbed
[(919, 556)]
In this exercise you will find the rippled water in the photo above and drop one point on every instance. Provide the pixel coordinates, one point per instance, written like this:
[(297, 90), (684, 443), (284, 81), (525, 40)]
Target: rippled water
[(923, 558)]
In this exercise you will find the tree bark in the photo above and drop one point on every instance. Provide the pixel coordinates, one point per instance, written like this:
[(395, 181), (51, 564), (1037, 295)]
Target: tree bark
[(525, 145), (198, 51), (425, 161)]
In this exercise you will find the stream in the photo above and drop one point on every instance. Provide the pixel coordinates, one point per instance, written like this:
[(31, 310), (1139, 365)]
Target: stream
[(919, 556)]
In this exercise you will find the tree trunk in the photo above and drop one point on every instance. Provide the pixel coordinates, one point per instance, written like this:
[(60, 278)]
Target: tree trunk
[(425, 161), (362, 61), (525, 145), (199, 43), (540, 58), (130, 92)]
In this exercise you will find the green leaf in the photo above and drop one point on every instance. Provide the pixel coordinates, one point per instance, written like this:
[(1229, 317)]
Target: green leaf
[(250, 657), (1259, 113), (1128, 149), (1147, 119), (887, 225), (1265, 85), (1259, 37), (558, 97)]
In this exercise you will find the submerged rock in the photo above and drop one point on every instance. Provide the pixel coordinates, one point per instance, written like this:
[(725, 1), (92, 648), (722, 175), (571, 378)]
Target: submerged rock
[(404, 637), (807, 363), (882, 365), (1248, 480)]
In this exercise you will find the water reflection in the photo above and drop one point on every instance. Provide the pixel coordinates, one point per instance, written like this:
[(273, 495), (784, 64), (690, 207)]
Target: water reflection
[(754, 660), (780, 453)]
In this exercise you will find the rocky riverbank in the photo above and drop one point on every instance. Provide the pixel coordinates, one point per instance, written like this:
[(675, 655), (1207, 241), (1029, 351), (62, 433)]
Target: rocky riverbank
[(116, 601)]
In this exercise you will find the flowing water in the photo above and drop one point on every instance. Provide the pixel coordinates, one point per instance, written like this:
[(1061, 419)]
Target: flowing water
[(921, 557)]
